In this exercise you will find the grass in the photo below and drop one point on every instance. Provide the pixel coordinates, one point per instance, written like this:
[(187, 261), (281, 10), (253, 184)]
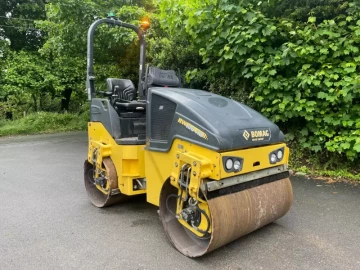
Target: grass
[(322, 164), (44, 122), (337, 174)]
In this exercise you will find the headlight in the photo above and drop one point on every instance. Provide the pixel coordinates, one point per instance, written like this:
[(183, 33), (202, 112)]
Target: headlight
[(273, 158), (229, 164), (276, 155), (237, 165), (232, 164)]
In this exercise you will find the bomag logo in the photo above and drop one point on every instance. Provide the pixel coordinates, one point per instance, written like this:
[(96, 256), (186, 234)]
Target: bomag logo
[(192, 128), (246, 134), (257, 135), (260, 133)]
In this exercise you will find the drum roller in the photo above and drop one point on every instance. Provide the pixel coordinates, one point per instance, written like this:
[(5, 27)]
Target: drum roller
[(101, 184), (232, 216)]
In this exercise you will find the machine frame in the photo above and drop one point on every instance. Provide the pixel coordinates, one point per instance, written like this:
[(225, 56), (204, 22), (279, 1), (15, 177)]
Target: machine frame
[(173, 145)]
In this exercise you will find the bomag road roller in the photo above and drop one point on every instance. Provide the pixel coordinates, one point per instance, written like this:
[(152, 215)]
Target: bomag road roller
[(216, 168)]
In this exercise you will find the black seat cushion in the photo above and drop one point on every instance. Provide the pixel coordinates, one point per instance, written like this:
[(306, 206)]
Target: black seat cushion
[(133, 105), (124, 89), (160, 77)]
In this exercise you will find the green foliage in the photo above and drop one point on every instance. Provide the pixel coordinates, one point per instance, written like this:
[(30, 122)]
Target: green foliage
[(48, 79), (115, 50), (341, 174), (302, 76), (171, 52), (26, 77), (68, 21), (44, 122), (323, 164), (320, 63), (17, 23), (300, 10)]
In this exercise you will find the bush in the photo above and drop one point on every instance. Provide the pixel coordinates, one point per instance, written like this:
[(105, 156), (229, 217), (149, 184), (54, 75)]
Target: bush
[(44, 122), (303, 76)]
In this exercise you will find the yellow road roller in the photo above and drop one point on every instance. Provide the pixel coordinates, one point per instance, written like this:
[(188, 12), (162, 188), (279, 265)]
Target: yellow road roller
[(216, 168)]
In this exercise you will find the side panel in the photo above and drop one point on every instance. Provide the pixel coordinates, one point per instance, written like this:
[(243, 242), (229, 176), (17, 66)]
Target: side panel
[(161, 166), (102, 111), (128, 159), (204, 162)]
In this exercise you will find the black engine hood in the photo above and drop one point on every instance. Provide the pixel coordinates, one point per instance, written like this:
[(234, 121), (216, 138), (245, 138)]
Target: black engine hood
[(213, 121)]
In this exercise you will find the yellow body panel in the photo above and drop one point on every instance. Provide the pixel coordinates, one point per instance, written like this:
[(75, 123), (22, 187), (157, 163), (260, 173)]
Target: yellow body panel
[(136, 161), (160, 166), (128, 159), (205, 164), (253, 156)]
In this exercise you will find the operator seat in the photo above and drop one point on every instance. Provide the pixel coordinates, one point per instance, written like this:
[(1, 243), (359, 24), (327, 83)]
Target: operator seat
[(162, 78), (131, 112), (156, 77), (124, 89), (124, 95)]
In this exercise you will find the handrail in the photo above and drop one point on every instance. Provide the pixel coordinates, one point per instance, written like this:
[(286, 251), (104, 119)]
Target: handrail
[(90, 78)]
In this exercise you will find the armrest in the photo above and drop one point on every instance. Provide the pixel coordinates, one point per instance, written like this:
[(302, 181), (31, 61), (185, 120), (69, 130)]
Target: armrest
[(105, 93), (133, 105)]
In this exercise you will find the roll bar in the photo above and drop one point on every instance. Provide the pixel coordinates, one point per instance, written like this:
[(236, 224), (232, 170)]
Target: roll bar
[(90, 78)]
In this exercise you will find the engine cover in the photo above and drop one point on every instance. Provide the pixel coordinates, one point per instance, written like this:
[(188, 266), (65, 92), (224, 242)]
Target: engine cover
[(206, 119)]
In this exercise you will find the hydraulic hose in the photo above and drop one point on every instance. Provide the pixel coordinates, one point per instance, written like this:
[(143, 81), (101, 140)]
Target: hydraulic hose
[(205, 232)]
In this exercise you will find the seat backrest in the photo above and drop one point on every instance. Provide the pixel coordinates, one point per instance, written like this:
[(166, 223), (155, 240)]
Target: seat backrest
[(160, 77), (125, 89)]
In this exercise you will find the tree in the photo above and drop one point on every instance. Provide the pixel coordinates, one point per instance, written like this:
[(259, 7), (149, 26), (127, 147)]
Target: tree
[(66, 27), (17, 23), (26, 77), (300, 10)]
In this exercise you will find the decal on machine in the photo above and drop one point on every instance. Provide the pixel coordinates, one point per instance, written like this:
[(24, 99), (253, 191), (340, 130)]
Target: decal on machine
[(255, 135), (192, 128)]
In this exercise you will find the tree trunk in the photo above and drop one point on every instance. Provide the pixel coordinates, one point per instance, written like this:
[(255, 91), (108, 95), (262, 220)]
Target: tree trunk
[(66, 95), (35, 103), (9, 115), (41, 102)]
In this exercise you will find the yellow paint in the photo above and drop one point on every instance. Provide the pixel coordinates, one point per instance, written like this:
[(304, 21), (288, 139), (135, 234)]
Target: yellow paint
[(128, 159), (205, 163), (161, 166), (252, 156)]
